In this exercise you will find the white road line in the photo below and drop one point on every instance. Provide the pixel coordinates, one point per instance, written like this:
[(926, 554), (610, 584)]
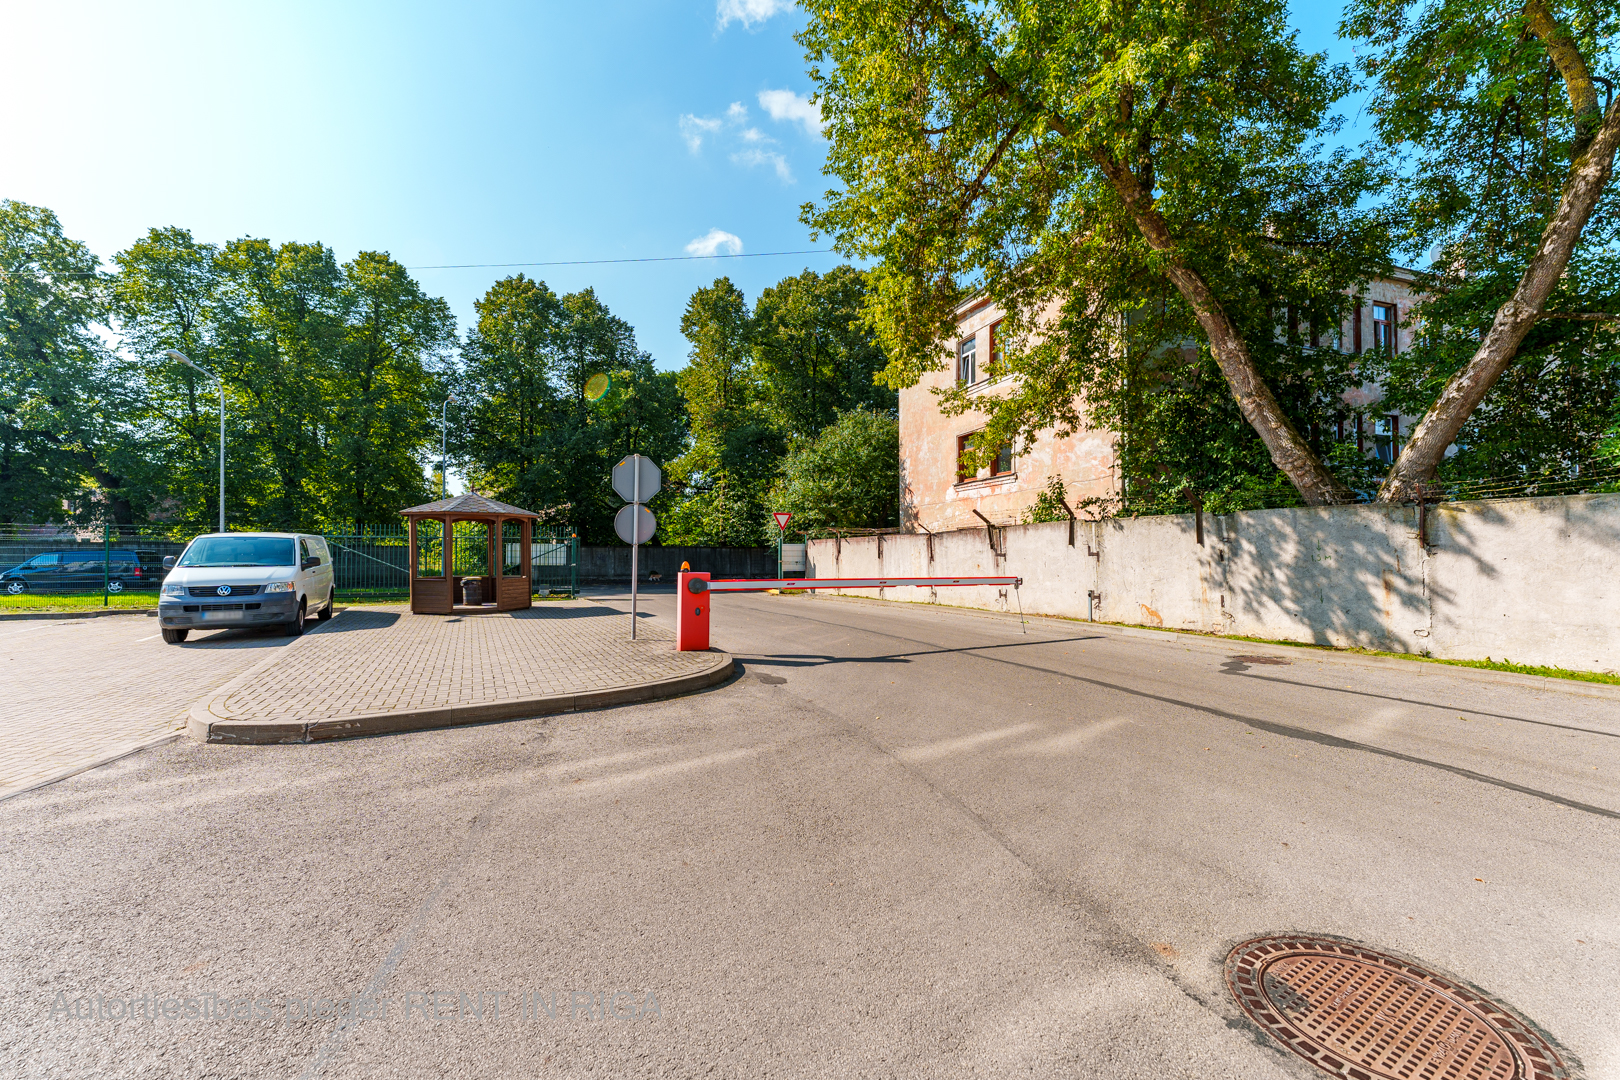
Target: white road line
[(148, 637)]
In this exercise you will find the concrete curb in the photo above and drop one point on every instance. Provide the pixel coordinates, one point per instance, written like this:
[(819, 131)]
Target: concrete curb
[(94, 763), (209, 722), (1302, 651), (91, 613)]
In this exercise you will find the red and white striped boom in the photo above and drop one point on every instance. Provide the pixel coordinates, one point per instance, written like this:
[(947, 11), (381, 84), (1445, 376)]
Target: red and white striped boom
[(761, 584)]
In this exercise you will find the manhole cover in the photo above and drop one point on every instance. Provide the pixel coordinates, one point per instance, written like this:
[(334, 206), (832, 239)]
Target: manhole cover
[(1261, 660), (1357, 1013)]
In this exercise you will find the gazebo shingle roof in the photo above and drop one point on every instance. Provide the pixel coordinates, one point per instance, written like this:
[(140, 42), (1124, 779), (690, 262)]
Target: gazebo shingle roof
[(467, 504)]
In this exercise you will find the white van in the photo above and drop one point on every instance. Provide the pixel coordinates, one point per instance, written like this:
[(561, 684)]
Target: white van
[(246, 579)]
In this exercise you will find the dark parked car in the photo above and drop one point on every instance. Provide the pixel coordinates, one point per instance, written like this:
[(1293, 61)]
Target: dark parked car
[(81, 571)]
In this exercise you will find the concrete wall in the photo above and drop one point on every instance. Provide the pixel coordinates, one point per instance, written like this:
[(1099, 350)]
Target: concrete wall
[(1535, 581)]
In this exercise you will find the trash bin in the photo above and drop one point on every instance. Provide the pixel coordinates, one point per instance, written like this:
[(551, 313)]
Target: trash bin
[(471, 593)]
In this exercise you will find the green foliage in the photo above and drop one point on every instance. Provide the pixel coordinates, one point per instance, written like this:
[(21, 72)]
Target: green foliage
[(759, 381), (330, 371), (1051, 503), (61, 392), (732, 457), (1491, 125), (814, 356), (979, 148), (848, 477), (522, 427)]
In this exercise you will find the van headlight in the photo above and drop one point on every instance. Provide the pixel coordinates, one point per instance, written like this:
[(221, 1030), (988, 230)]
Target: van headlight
[(174, 590), (279, 586)]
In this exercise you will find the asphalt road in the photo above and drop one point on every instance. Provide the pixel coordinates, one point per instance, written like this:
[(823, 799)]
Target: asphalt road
[(905, 842)]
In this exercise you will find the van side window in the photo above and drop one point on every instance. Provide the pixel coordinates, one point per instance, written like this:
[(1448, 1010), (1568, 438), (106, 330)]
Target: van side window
[(303, 551)]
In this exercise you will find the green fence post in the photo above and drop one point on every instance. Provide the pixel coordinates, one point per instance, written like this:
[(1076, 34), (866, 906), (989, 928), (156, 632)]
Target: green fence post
[(106, 560)]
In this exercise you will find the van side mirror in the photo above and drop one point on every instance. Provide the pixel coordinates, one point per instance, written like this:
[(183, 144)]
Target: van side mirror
[(313, 560), (168, 562)]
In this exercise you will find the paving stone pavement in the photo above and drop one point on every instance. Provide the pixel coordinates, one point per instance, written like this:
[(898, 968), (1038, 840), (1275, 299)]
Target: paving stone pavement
[(74, 691), (386, 659)]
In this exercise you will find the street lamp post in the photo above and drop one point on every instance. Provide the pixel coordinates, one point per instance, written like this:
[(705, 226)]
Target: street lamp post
[(174, 355), (444, 440)]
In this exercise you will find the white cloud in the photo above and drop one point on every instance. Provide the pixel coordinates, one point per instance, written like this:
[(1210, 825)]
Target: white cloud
[(712, 241), (737, 113), (748, 12), (786, 105), (764, 157), (694, 128)]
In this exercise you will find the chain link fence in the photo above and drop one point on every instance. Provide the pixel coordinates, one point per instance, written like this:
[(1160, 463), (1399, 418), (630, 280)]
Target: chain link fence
[(120, 566)]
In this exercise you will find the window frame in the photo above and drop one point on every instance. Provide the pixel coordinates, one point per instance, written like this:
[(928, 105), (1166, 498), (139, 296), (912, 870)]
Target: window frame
[(997, 352), (967, 349), (1388, 318)]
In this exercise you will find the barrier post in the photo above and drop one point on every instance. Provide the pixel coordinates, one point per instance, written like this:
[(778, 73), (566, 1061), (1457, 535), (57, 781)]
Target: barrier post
[(692, 611)]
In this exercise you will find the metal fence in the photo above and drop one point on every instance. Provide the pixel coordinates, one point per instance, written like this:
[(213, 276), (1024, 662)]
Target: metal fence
[(369, 562)]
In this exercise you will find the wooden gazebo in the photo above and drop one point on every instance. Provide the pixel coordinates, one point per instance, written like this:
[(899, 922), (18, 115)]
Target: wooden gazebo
[(500, 561)]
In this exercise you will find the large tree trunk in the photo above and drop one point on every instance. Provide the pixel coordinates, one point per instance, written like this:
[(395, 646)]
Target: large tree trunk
[(1289, 450), (1427, 447)]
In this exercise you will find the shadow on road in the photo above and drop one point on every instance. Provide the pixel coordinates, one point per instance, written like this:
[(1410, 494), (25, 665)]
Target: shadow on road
[(819, 659)]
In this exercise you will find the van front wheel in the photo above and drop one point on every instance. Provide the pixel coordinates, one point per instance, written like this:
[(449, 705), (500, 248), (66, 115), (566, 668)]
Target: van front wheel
[(296, 627), (175, 637)]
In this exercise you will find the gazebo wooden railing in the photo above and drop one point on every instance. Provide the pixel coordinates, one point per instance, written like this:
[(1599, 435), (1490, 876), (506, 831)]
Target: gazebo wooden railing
[(436, 588)]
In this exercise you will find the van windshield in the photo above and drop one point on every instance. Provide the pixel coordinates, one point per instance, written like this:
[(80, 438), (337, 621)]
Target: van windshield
[(239, 551)]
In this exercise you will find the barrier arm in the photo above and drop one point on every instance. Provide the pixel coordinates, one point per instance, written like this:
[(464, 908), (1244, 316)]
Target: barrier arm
[(762, 584), (692, 591)]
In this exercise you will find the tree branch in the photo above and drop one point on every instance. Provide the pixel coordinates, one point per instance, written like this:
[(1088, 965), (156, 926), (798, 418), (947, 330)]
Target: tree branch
[(1572, 66)]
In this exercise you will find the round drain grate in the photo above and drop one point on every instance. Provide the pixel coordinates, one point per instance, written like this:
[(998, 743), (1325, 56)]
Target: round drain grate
[(1356, 1013)]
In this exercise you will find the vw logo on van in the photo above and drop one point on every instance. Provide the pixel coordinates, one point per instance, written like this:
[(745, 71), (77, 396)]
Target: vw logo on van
[(224, 590)]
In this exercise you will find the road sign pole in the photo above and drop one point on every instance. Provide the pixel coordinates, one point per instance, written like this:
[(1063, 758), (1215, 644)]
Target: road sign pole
[(635, 548)]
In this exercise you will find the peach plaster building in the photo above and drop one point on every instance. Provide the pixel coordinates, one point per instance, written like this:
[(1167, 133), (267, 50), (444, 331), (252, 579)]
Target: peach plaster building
[(936, 497)]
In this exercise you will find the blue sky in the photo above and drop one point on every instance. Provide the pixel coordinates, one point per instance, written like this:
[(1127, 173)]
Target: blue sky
[(442, 134)]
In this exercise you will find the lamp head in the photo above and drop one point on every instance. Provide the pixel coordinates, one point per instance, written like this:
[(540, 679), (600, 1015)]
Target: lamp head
[(173, 354)]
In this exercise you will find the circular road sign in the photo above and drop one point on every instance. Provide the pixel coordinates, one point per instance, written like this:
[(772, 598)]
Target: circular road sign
[(645, 523)]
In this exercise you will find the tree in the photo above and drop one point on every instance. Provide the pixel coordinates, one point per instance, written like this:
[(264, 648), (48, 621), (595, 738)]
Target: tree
[(814, 356), (847, 477), (1512, 154), (530, 436), (1081, 162), (61, 393), (726, 471), (330, 373)]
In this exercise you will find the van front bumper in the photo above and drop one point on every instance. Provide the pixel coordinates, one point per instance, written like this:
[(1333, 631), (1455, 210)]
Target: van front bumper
[(194, 611)]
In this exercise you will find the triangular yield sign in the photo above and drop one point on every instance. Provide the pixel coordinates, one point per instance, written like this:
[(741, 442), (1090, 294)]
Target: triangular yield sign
[(782, 518)]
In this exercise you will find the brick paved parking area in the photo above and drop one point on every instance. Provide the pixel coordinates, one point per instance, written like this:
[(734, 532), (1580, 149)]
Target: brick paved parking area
[(384, 660), (75, 691)]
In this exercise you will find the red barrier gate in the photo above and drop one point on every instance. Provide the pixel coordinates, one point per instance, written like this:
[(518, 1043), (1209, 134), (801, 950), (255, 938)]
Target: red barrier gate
[(693, 603)]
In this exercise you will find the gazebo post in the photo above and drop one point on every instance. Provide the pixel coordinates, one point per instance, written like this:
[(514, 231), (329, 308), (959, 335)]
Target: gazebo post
[(413, 564), (492, 533), (528, 565)]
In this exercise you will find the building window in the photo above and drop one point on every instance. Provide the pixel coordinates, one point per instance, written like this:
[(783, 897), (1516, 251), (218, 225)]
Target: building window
[(1384, 322), (1387, 437), (998, 366), (967, 361), (1000, 465), (1003, 462)]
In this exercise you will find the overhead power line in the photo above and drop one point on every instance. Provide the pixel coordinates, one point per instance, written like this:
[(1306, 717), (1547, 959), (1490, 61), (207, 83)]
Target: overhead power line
[(561, 262), (604, 262)]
